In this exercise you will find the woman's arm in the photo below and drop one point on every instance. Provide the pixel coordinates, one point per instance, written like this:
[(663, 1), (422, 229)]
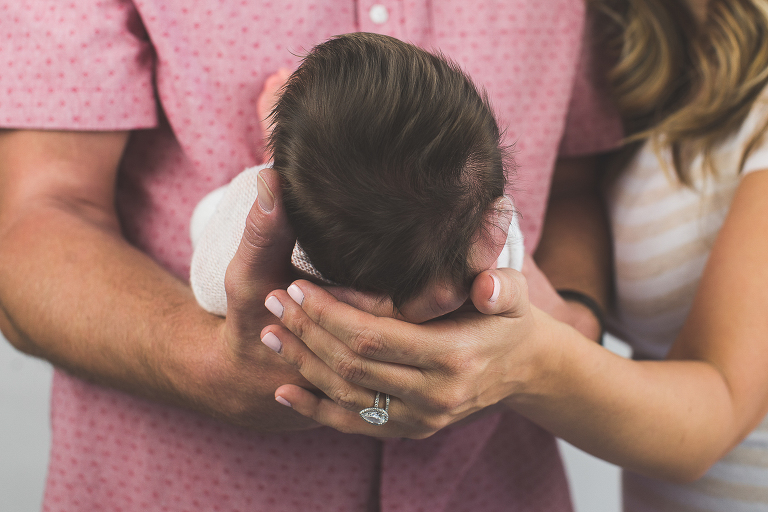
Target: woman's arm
[(670, 419), (676, 418), (73, 291)]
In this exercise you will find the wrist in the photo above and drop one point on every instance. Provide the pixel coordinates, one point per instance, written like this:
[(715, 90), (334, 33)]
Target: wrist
[(583, 313), (540, 367)]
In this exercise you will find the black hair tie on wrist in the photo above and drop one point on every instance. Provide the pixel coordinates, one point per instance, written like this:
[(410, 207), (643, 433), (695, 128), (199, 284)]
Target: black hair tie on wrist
[(590, 303)]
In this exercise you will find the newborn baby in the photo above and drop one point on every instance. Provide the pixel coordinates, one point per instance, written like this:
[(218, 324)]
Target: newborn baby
[(392, 174)]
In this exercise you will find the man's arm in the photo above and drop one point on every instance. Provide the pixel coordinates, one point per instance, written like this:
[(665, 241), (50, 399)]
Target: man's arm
[(575, 248), (73, 291)]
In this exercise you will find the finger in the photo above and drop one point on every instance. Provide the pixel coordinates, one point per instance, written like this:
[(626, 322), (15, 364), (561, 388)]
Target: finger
[(344, 393), (501, 291), (262, 259), (381, 339), (330, 364), (328, 413)]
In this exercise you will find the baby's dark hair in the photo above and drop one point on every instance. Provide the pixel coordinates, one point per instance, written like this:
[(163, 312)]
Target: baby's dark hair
[(390, 158)]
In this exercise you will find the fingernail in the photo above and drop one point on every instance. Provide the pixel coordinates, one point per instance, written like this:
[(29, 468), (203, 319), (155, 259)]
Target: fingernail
[(296, 294), (496, 289), (272, 342), (283, 401), (274, 306), (265, 196)]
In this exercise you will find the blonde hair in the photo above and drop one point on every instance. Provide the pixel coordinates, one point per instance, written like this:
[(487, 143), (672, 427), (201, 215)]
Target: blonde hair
[(676, 82)]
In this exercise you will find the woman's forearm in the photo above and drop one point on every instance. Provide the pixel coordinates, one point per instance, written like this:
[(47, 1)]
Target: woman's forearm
[(667, 419), (80, 296)]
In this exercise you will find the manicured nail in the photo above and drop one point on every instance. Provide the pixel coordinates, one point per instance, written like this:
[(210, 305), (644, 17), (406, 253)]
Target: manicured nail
[(496, 289), (283, 401), (272, 342), (265, 196), (296, 294), (274, 306)]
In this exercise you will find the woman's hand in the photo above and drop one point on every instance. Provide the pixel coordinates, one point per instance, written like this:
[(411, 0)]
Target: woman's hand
[(436, 373)]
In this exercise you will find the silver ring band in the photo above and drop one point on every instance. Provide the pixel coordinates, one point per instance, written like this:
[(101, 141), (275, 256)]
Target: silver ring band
[(376, 415)]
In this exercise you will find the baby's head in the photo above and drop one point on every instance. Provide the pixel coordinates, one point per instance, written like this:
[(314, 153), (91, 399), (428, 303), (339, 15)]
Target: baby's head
[(391, 165)]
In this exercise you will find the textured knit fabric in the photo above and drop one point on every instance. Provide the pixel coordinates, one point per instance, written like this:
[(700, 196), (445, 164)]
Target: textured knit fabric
[(663, 233), (187, 75), (217, 226)]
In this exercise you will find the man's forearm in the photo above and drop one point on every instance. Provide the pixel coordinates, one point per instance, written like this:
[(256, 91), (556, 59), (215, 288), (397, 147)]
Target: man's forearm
[(575, 248), (73, 291), (77, 294)]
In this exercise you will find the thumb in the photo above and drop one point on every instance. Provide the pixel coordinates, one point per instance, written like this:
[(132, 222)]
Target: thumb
[(263, 258), (500, 291)]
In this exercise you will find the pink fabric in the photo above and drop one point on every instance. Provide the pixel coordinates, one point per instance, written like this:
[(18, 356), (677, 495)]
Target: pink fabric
[(89, 64)]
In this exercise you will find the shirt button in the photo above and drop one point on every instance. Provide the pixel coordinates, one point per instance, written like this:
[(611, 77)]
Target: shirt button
[(378, 14)]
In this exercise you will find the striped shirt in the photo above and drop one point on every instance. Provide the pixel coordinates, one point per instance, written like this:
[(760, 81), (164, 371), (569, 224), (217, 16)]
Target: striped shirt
[(663, 233)]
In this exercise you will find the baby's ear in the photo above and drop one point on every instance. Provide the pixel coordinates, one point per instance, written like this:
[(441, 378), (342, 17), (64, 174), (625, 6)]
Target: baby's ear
[(267, 100), (492, 235), (498, 218)]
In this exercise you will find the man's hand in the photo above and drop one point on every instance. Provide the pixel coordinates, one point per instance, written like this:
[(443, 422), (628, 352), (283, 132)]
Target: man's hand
[(73, 291), (261, 262)]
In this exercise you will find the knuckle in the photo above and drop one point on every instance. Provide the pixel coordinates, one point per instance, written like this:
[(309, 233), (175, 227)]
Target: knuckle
[(299, 325), (367, 342), (255, 236), (344, 397), (297, 360), (448, 402), (319, 310), (350, 367), (455, 362), (445, 300), (428, 426), (236, 293)]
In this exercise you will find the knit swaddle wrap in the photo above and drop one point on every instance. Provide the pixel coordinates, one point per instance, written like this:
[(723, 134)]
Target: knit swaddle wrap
[(217, 227)]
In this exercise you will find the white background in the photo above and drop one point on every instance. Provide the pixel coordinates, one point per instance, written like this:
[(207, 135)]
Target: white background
[(25, 439)]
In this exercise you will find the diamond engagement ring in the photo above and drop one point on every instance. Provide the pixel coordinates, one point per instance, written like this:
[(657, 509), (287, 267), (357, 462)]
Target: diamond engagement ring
[(376, 415)]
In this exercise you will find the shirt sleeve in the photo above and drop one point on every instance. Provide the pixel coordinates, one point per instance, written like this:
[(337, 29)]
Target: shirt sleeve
[(593, 124), (80, 65), (755, 123), (757, 160)]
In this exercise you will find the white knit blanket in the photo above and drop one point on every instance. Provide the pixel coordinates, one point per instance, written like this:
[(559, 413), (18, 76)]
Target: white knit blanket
[(217, 226)]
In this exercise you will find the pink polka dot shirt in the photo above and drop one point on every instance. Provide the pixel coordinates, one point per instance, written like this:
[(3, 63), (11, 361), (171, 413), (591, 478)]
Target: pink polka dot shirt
[(186, 76)]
